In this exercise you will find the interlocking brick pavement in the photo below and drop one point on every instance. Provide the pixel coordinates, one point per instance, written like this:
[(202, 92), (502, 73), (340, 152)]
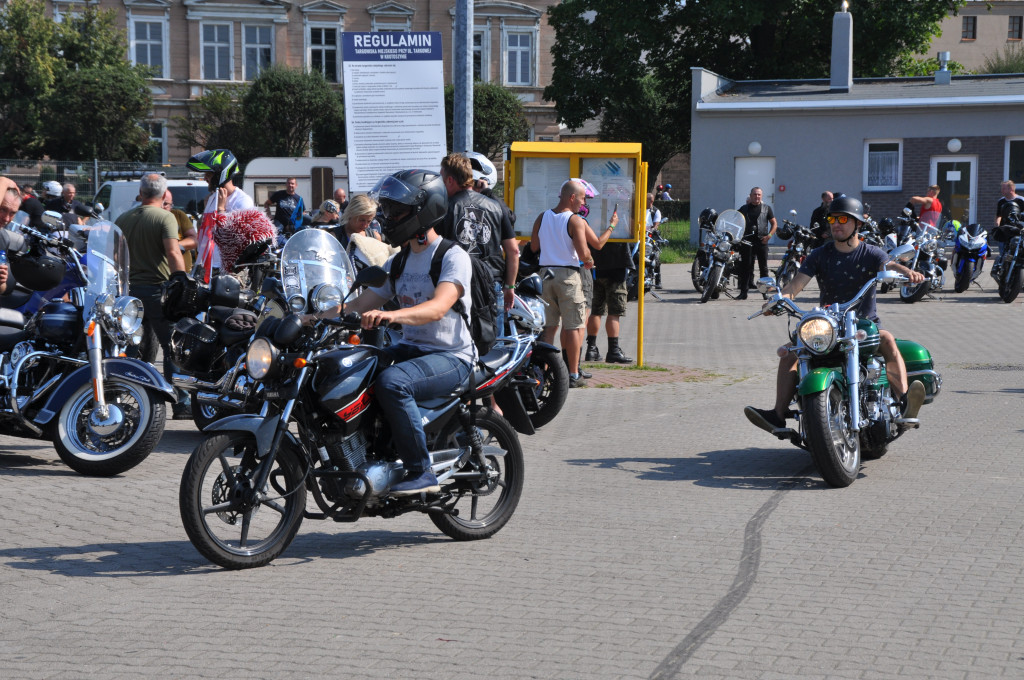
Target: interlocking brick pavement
[(659, 535)]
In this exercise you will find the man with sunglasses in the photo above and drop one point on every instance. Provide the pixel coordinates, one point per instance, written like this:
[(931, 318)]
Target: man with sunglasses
[(842, 266)]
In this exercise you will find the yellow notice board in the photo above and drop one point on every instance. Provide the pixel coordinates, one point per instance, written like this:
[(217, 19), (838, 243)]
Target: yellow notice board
[(536, 171)]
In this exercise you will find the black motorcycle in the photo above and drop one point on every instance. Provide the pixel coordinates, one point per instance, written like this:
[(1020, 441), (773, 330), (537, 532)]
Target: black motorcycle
[(244, 489), (720, 252), (652, 265), (801, 242), (1007, 268)]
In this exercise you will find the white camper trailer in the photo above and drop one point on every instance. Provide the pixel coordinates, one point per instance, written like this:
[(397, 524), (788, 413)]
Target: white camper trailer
[(317, 177)]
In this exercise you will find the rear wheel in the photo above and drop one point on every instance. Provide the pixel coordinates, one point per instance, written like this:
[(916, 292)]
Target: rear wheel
[(714, 279), (230, 522), (204, 414), (834, 447), (481, 506), (696, 267)]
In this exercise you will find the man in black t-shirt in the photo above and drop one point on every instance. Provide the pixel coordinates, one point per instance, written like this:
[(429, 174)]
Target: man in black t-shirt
[(819, 218), (841, 267), (288, 207), (761, 227)]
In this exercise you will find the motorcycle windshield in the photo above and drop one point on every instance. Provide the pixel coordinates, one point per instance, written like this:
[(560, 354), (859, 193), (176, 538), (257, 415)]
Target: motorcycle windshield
[(731, 222), (312, 257), (106, 262)]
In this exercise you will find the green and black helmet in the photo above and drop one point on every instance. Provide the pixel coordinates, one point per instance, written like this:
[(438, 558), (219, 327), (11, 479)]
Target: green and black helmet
[(221, 162)]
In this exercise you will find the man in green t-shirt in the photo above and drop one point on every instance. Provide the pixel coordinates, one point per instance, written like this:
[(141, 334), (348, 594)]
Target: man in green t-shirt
[(152, 237)]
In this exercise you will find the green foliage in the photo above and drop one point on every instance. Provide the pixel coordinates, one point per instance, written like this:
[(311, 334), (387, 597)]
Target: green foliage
[(67, 90), (499, 118), (1010, 60), (679, 248), (911, 67), (283, 104), (630, 61), (48, 173)]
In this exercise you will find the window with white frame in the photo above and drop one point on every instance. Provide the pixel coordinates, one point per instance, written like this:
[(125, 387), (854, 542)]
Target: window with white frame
[(883, 163), (519, 58), (390, 17), (157, 141), (1015, 161), (216, 46), (257, 49), (323, 51), (480, 70), (147, 45)]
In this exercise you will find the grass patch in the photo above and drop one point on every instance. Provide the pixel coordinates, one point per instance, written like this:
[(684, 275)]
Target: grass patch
[(679, 249), (630, 367)]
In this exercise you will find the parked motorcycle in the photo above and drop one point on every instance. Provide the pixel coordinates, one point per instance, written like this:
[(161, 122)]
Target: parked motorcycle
[(801, 242), (652, 265), (1007, 268), (721, 255), (929, 259), (844, 406), (244, 489), (970, 249), (63, 375)]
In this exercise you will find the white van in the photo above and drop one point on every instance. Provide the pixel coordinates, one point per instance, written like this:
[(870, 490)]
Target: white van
[(120, 195), (317, 177)]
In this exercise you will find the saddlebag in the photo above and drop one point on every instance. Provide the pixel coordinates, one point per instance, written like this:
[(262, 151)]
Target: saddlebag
[(194, 345), (920, 367)]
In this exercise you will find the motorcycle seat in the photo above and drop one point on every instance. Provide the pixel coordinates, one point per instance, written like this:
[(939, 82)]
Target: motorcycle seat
[(237, 327), (218, 314), (9, 337), (12, 318)]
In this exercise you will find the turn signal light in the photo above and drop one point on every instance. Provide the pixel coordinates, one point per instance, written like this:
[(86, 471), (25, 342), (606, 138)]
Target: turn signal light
[(300, 363)]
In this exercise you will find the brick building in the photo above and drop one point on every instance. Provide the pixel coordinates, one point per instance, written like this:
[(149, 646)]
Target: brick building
[(196, 45)]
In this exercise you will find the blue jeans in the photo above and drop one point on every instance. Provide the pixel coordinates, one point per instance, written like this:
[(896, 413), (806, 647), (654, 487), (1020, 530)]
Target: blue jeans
[(417, 375)]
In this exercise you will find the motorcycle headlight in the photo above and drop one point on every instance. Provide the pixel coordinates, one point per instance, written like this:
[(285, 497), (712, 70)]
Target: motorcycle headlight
[(724, 245), (798, 249), (297, 303), (128, 313), (818, 334), (259, 358), (929, 246), (105, 303), (536, 306), (325, 296)]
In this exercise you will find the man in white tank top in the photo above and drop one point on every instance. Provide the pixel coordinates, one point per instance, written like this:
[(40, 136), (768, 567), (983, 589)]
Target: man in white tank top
[(560, 236)]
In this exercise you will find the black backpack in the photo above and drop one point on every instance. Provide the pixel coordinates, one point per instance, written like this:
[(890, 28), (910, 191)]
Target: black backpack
[(483, 324)]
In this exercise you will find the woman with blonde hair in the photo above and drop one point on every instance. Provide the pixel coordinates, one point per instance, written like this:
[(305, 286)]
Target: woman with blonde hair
[(362, 241)]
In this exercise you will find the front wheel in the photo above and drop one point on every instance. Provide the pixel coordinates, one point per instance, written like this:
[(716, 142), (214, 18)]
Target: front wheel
[(786, 273), (714, 279), (834, 447), (1010, 289), (547, 370), (232, 523), (481, 506), (963, 277), (912, 293), (103, 445), (696, 268)]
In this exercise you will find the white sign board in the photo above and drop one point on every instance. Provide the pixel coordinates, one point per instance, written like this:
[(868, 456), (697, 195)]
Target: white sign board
[(394, 104)]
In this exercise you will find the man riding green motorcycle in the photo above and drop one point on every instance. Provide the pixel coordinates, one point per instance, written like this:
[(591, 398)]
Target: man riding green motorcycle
[(843, 268)]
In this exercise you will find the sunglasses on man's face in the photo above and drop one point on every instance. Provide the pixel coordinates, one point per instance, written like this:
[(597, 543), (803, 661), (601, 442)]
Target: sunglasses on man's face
[(841, 219)]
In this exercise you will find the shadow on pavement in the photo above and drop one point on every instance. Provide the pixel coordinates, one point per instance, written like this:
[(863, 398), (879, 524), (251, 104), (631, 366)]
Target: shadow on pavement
[(23, 464), (176, 558), (757, 469)]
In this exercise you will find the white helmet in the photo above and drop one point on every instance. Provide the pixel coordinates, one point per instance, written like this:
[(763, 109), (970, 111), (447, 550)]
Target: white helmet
[(483, 168), (52, 188)]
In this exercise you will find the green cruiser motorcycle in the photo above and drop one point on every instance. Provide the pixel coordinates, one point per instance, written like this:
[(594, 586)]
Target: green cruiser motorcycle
[(843, 403)]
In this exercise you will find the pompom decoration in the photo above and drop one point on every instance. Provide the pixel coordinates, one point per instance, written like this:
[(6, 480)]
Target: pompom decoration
[(240, 229)]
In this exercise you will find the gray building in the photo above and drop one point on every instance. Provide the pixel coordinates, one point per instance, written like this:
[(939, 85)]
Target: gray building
[(883, 140)]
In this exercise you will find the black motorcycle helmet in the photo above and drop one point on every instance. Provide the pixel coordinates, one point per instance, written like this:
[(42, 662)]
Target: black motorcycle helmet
[(707, 218), (411, 202), (37, 270), (221, 162), (887, 226), (847, 205)]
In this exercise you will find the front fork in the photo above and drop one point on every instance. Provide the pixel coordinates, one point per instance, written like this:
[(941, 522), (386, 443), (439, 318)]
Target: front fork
[(286, 414), (852, 367), (94, 346)]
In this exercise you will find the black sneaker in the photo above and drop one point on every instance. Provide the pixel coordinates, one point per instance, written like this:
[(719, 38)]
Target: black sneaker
[(577, 382), (765, 418), (585, 374), (415, 482), (593, 354), (615, 356)]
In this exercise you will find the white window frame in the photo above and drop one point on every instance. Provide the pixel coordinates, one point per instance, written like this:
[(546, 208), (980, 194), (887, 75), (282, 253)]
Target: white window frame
[(390, 16), (63, 8), (258, 46), (231, 49), (899, 168), (162, 139), (507, 31), (165, 26), (310, 47), (1006, 157), (485, 51)]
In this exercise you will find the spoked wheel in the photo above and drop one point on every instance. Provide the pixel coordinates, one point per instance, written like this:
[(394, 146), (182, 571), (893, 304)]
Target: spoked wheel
[(834, 447), (551, 376), (204, 414), (229, 521), (482, 506), (714, 280), (911, 293), (103, 444)]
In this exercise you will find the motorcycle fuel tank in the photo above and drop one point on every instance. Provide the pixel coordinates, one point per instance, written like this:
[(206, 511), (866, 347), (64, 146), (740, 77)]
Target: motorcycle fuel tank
[(343, 383), (60, 323)]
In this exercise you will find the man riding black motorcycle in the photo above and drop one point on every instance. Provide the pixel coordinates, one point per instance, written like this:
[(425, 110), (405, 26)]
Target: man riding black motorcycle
[(841, 267), (436, 352)]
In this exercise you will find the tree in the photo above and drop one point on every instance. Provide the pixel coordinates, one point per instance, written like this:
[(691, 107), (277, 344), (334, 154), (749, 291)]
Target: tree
[(499, 118), (214, 121), (619, 56), (67, 90)]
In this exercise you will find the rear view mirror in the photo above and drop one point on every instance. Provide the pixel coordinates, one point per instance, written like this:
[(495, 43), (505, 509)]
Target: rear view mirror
[(902, 254), (53, 220)]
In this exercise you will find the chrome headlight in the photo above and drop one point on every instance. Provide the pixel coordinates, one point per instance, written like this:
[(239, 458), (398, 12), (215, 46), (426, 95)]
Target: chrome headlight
[(326, 296), (799, 248), (818, 333), (259, 358), (537, 306), (128, 313), (297, 303), (724, 246), (929, 246)]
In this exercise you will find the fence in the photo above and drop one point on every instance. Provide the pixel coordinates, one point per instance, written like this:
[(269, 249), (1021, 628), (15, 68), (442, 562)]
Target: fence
[(87, 176)]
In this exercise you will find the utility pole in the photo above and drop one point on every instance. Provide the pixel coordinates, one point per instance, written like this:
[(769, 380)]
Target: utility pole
[(462, 56)]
